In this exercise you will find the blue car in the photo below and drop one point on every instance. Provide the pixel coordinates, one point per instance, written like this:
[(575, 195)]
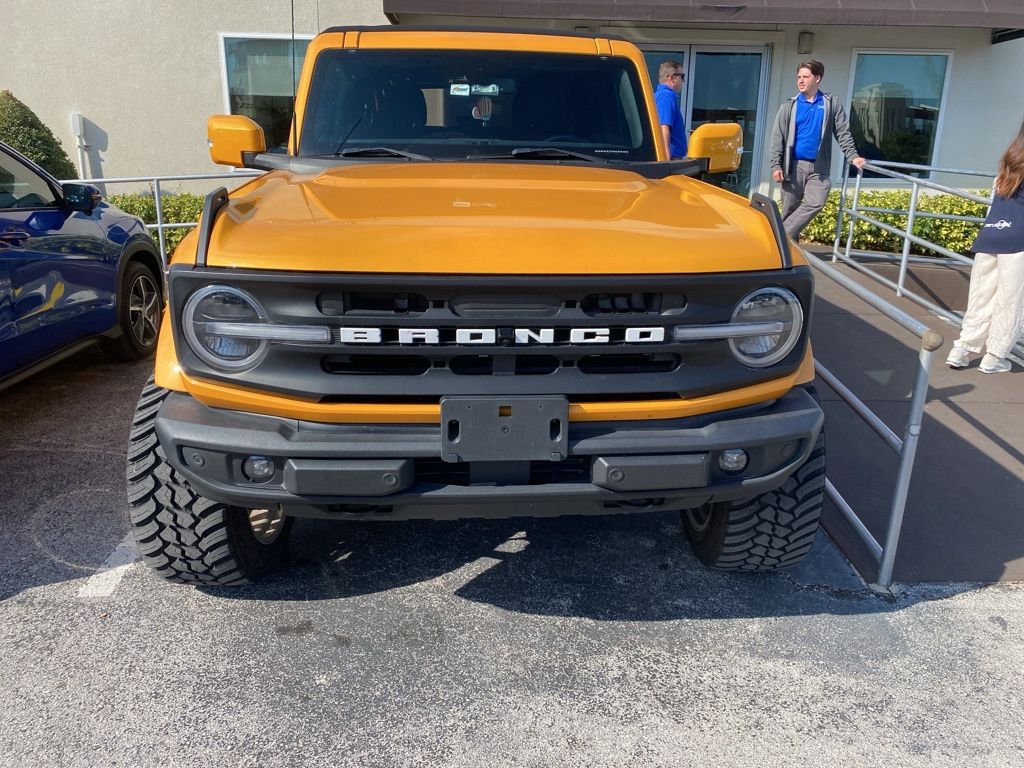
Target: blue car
[(73, 271)]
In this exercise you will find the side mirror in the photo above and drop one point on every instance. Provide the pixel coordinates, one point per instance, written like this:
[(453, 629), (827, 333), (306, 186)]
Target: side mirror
[(81, 197), (720, 143), (229, 136)]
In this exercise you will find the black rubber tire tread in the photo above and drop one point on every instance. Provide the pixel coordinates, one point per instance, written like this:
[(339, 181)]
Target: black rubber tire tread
[(124, 348), (181, 535), (771, 531)]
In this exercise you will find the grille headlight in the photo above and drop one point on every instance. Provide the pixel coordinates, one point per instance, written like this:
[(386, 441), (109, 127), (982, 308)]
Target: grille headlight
[(767, 305), (210, 310)]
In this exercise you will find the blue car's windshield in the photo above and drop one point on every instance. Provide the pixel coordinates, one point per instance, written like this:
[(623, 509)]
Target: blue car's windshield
[(457, 104)]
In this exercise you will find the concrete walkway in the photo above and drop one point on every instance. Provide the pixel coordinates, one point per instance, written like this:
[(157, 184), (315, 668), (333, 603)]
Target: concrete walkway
[(965, 513)]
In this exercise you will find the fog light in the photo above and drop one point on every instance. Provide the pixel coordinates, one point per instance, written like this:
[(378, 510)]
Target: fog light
[(259, 469), (733, 459)]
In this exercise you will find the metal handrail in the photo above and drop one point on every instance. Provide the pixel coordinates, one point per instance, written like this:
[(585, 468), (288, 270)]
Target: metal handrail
[(905, 447), (856, 212), (155, 182)]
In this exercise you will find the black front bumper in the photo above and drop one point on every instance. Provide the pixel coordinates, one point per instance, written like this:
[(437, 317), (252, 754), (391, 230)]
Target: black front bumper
[(396, 471)]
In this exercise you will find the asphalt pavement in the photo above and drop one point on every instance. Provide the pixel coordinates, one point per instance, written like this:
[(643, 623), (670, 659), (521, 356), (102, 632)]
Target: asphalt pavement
[(571, 641)]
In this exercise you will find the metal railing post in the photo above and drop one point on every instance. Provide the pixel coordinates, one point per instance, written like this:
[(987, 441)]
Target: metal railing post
[(930, 342), (911, 214), (839, 212), (160, 222), (853, 211)]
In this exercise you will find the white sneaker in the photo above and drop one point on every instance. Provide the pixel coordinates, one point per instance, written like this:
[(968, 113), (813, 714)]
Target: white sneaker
[(958, 358), (992, 364)]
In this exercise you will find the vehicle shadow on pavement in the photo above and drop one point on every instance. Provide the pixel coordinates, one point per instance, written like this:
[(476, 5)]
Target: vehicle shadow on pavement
[(610, 568)]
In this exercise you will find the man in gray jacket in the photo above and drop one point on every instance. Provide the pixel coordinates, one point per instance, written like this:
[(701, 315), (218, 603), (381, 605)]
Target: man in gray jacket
[(801, 150)]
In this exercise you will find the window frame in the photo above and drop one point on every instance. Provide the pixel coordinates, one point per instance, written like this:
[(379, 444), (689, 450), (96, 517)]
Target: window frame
[(222, 38), (49, 180), (943, 99)]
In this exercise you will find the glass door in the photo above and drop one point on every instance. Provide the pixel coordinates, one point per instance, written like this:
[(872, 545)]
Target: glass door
[(723, 84)]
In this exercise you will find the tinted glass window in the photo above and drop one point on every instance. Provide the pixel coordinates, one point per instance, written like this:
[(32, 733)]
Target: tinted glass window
[(20, 187), (260, 85), (456, 104), (896, 104)]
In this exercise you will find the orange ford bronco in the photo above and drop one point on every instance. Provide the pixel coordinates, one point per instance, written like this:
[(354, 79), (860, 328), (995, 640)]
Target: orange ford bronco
[(473, 284)]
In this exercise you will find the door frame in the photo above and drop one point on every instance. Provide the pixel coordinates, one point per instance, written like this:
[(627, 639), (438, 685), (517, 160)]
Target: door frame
[(690, 51)]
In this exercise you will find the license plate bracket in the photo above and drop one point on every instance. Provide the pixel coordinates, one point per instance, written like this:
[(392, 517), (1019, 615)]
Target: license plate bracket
[(523, 428)]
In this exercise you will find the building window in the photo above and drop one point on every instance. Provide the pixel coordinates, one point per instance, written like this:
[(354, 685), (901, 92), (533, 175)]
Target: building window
[(258, 76), (896, 105)]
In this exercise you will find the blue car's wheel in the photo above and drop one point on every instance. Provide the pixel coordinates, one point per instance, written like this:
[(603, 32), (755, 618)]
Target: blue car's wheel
[(139, 305)]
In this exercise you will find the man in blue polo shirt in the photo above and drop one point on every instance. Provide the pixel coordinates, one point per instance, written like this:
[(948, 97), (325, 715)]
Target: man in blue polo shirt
[(666, 99), (801, 148)]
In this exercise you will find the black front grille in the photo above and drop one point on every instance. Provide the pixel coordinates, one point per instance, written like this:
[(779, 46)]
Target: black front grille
[(372, 365), (611, 364), (638, 303), (372, 303), (417, 338)]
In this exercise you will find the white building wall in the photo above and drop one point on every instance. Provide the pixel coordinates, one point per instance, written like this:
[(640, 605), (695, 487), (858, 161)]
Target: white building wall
[(144, 74)]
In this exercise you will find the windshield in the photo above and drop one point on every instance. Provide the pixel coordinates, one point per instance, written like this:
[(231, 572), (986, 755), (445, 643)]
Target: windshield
[(466, 104)]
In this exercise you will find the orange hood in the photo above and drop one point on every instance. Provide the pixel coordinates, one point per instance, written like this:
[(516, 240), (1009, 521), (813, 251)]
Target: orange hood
[(488, 218)]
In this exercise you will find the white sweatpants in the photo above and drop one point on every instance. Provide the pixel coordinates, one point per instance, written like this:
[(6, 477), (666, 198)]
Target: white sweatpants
[(995, 304)]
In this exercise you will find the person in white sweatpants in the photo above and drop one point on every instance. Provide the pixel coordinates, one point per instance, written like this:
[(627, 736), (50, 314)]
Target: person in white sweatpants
[(995, 308), (994, 319)]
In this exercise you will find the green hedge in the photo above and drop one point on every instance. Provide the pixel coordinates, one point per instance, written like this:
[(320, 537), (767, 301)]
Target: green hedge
[(177, 208), (20, 128), (955, 235)]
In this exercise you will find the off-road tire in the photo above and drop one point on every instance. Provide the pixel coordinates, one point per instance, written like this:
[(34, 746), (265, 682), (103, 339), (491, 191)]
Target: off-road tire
[(140, 303), (771, 531), (183, 536)]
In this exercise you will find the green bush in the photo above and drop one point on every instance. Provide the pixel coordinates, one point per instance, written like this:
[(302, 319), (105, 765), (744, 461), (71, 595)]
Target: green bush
[(21, 129), (957, 236), (177, 209)]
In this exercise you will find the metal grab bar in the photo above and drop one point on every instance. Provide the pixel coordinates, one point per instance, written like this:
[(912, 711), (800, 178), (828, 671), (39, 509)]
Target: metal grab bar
[(905, 448)]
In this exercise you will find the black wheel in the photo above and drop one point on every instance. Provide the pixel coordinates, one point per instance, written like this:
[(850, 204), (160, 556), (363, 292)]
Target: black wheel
[(770, 531), (139, 304), (186, 537)]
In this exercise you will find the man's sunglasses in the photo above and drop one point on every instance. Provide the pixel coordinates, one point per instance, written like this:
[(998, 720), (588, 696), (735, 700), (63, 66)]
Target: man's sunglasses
[(680, 75)]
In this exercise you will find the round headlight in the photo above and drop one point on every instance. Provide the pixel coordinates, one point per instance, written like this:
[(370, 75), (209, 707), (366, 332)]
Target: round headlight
[(223, 304), (767, 305)]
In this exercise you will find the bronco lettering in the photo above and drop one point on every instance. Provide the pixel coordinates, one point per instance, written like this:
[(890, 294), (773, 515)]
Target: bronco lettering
[(364, 335)]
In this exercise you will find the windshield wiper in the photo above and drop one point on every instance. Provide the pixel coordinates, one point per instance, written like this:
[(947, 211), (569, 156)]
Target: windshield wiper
[(542, 153), (337, 150), (380, 152)]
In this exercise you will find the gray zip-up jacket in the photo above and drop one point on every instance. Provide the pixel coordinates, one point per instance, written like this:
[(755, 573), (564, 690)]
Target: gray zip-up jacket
[(784, 136)]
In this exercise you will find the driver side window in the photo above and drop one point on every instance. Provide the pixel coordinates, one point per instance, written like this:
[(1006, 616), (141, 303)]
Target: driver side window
[(21, 187)]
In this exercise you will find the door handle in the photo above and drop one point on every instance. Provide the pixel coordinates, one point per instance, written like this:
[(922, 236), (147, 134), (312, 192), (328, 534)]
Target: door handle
[(13, 236)]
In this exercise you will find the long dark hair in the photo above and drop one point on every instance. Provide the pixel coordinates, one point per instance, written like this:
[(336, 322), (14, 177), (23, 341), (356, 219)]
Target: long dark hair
[(1011, 166)]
